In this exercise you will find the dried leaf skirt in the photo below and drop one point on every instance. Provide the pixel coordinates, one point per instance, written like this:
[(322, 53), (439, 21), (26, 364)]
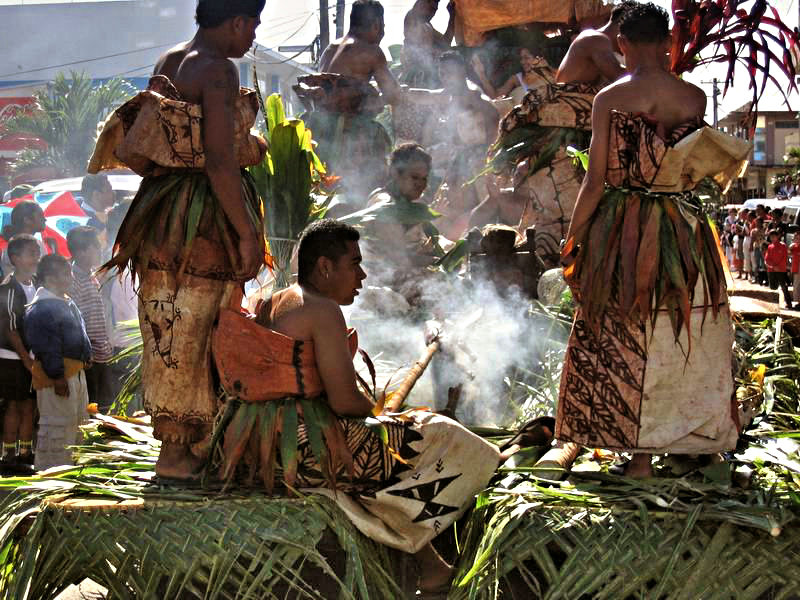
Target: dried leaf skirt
[(184, 251), (400, 479), (648, 363)]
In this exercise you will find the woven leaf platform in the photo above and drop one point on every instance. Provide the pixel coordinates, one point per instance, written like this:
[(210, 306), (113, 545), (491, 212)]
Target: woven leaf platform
[(227, 548), (614, 538)]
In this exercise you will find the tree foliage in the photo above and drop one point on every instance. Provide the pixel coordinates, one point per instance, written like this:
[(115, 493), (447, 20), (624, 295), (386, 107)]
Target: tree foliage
[(65, 118)]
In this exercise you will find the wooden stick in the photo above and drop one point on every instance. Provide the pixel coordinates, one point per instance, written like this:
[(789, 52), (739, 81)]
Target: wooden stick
[(557, 461), (396, 399)]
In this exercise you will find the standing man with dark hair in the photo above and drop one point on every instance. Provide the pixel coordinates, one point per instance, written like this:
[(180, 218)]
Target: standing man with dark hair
[(342, 104), (192, 235), (593, 57)]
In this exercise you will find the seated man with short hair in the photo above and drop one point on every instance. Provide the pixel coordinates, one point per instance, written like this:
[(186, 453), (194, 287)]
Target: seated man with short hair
[(293, 400)]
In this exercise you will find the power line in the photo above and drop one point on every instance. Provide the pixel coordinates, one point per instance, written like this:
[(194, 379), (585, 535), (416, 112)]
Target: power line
[(77, 62)]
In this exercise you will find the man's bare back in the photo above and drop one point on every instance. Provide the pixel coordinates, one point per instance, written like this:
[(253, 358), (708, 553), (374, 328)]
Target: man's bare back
[(590, 59), (670, 101), (352, 58)]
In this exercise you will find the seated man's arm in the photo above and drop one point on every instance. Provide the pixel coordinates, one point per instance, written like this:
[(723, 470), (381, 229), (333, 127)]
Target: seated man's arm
[(390, 89), (335, 364)]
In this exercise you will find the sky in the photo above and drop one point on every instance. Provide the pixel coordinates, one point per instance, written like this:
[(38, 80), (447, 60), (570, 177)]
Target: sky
[(297, 23)]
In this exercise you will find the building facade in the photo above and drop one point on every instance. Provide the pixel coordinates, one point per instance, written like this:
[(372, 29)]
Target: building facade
[(106, 39), (773, 131)]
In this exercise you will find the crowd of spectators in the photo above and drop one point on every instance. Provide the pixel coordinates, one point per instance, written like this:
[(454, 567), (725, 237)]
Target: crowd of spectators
[(764, 247), (60, 328)]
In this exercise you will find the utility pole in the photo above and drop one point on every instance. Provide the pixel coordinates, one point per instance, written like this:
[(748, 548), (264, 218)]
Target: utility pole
[(339, 19), (714, 99), (324, 25)]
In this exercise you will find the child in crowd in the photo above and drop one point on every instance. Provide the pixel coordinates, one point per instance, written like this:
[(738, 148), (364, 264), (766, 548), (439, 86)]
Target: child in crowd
[(84, 245), (26, 217), (777, 257), (55, 332), (757, 237), (16, 292), (794, 252)]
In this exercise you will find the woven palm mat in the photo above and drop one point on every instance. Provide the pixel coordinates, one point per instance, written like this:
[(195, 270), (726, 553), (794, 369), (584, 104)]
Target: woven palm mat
[(253, 548), (528, 544)]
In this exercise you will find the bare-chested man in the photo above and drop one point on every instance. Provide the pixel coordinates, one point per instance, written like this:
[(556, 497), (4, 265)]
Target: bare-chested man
[(593, 57), (342, 104), (358, 54), (423, 45), (187, 268), (390, 490)]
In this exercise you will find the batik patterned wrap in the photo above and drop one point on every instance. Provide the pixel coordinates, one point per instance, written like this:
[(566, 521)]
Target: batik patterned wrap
[(180, 245), (341, 113), (531, 148), (401, 479), (648, 364)]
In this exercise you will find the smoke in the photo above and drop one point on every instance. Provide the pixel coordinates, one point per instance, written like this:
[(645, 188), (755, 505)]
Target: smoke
[(499, 350)]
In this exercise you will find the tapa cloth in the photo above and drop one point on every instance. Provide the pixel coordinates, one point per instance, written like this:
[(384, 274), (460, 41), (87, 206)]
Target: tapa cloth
[(649, 359), (178, 390)]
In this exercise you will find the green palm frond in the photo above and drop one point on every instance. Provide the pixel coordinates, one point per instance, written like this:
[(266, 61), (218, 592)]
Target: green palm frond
[(66, 118), (287, 179)]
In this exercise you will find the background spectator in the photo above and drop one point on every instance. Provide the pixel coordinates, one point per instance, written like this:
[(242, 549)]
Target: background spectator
[(17, 291), (55, 332), (84, 246)]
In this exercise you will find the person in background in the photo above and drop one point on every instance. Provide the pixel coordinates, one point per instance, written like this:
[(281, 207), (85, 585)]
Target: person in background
[(84, 246), (757, 239), (26, 217), (422, 44), (747, 247), (97, 198), (56, 334), (122, 305), (794, 252), (738, 251), (16, 292), (776, 257)]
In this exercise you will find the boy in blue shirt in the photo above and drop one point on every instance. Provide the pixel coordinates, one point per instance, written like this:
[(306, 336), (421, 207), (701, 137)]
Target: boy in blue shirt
[(57, 336)]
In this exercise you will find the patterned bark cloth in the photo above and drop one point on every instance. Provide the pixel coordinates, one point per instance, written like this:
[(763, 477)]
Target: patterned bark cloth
[(531, 151), (648, 364)]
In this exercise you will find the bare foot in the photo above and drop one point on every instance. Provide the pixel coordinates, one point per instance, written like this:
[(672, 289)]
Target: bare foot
[(176, 461), (639, 467), (434, 573)]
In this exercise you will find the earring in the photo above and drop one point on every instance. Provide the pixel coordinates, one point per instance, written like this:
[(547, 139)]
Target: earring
[(327, 275)]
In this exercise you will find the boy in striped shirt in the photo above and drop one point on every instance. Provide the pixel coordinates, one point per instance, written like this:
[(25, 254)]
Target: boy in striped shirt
[(84, 246)]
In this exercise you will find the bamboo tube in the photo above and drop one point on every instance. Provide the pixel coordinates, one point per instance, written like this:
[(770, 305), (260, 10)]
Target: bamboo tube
[(557, 461), (396, 399)]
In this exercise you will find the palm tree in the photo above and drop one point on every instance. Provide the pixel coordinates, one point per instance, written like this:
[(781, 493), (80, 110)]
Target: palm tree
[(65, 119)]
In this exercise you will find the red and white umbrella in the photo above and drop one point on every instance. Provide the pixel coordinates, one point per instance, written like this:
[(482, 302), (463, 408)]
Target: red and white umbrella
[(61, 212)]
